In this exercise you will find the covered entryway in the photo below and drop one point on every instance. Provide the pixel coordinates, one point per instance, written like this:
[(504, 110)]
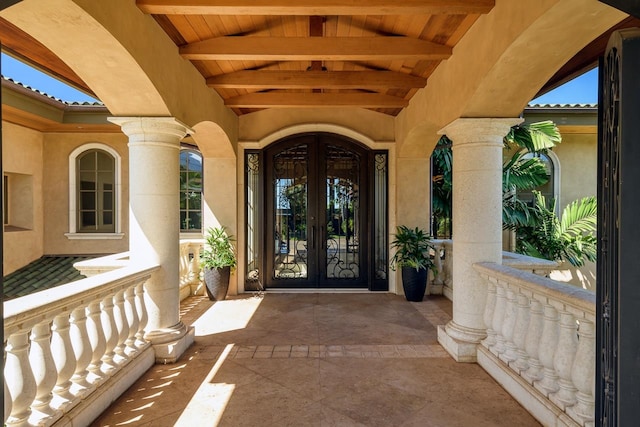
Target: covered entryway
[(323, 202)]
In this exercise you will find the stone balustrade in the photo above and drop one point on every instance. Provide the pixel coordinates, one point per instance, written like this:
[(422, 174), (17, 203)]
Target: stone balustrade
[(541, 267), (442, 281), (190, 280), (72, 349), (190, 277), (540, 343)]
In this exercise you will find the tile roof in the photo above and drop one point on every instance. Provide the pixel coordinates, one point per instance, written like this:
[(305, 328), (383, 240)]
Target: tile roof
[(559, 106), (39, 92), (44, 273)]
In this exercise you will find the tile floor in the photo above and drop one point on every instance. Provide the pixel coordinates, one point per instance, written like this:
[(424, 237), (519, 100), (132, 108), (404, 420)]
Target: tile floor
[(366, 359)]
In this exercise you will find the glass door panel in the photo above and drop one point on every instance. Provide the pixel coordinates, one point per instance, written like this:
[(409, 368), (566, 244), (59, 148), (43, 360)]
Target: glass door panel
[(290, 194), (342, 236), (317, 213)]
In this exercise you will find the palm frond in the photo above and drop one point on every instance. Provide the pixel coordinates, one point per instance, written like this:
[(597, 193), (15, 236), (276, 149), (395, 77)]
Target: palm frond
[(524, 173), (580, 216), (535, 137)]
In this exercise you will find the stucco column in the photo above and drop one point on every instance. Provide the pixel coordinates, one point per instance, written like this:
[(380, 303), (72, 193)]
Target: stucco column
[(154, 224), (477, 226)]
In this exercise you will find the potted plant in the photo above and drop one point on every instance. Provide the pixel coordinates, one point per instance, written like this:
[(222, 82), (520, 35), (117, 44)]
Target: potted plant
[(412, 254), (217, 259)]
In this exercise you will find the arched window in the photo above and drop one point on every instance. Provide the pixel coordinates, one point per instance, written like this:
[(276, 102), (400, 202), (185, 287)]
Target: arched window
[(94, 192), (550, 189), (190, 191)]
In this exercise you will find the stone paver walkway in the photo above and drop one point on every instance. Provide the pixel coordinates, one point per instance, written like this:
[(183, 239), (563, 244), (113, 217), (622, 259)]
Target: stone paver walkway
[(366, 359)]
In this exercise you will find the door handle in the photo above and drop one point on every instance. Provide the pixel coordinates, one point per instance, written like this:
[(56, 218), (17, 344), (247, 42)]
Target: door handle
[(323, 238), (313, 237)]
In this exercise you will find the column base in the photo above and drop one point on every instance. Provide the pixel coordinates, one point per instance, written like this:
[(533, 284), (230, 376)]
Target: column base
[(460, 342), (170, 343)]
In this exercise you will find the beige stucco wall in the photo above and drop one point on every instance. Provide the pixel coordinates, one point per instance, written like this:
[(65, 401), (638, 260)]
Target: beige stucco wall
[(256, 126), (57, 148), (22, 156), (578, 158)]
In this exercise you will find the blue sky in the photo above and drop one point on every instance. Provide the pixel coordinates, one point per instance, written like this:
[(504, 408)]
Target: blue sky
[(28, 76), (581, 90)]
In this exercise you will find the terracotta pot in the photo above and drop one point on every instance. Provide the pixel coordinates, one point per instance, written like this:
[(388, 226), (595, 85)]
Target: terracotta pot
[(217, 282)]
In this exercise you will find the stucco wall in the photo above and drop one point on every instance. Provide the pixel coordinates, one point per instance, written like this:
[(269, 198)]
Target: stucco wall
[(578, 166), (22, 155), (57, 148)]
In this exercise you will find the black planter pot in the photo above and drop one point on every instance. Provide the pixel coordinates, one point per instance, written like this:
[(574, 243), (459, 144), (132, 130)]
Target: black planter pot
[(217, 282), (414, 283)]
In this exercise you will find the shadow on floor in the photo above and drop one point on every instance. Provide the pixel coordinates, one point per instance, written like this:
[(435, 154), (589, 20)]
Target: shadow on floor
[(316, 360)]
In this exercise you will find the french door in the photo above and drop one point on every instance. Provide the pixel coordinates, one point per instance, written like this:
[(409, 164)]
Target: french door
[(316, 221)]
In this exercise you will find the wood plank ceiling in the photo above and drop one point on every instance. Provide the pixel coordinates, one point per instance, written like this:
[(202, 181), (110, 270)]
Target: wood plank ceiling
[(310, 53), (316, 53)]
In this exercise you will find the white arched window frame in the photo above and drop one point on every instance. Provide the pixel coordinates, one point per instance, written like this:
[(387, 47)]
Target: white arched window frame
[(73, 194), (555, 163)]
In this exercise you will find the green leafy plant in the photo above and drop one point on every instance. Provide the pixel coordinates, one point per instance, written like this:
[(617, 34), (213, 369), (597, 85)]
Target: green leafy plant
[(412, 249), (218, 249), (569, 238)]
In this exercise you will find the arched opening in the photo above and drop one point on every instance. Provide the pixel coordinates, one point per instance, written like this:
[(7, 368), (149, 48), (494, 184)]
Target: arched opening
[(316, 214)]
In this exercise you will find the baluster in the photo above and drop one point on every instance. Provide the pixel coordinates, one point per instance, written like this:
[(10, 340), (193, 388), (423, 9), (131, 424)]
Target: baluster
[(548, 343), (7, 401), (19, 379), (132, 321), (82, 350), (488, 315), (143, 318), (194, 266), (508, 327), (520, 333), (44, 372), (97, 341), (448, 263), (184, 264), (583, 374), (532, 342), (498, 318), (563, 361), (64, 359), (111, 336), (122, 328), (437, 262)]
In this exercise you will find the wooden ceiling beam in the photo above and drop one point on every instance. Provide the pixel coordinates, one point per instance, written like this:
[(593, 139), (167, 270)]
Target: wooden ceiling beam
[(265, 79), (315, 100), (315, 7), (314, 48)]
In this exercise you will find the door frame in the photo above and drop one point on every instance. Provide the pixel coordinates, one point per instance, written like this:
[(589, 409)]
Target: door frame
[(316, 250), (248, 276)]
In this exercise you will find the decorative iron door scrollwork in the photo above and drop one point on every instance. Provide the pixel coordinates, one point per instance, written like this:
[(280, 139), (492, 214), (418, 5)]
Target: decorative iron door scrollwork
[(342, 232), (618, 293), (325, 209), (291, 191)]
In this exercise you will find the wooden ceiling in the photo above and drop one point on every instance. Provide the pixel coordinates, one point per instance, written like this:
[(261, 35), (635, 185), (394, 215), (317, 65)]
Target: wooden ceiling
[(316, 53), (260, 54)]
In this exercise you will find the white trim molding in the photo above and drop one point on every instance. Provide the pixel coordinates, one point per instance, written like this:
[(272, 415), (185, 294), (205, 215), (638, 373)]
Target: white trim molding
[(73, 234)]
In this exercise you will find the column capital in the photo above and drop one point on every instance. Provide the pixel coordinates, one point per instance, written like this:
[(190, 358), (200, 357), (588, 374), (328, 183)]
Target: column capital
[(479, 130), (152, 130)]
